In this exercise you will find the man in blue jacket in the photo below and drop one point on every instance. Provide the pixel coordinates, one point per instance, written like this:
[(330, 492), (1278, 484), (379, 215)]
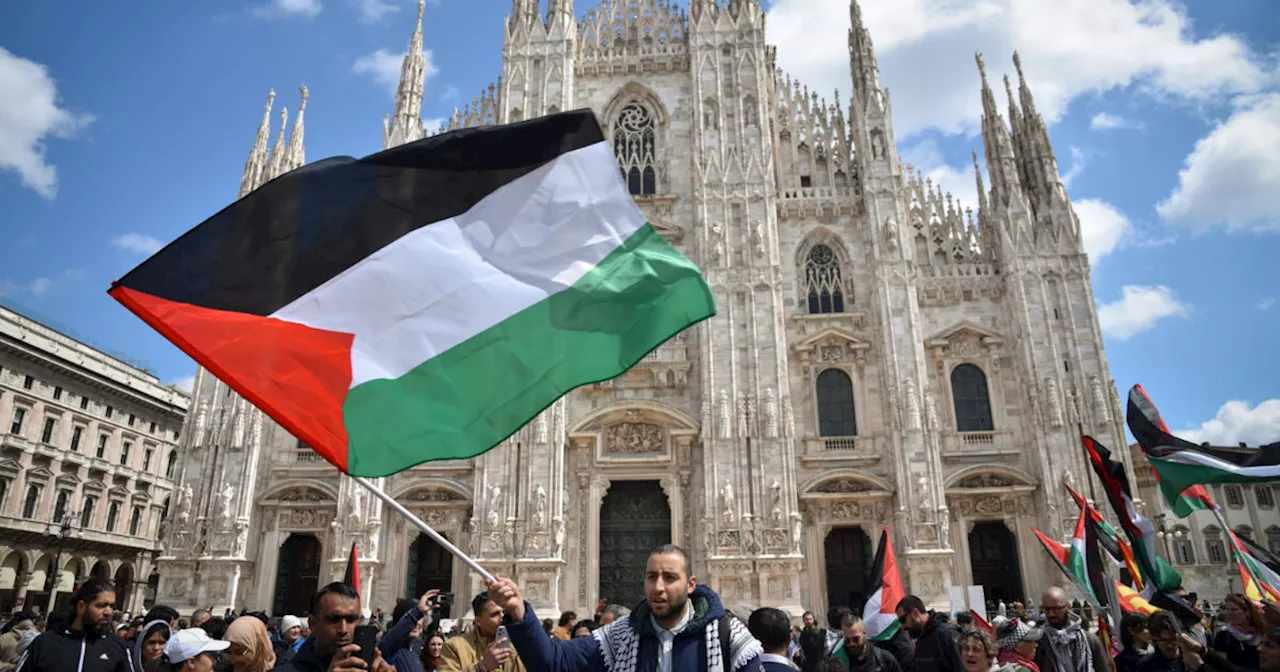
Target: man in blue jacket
[(680, 625)]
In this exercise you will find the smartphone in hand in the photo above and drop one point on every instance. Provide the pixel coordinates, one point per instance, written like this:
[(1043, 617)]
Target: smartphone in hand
[(366, 637), (501, 637)]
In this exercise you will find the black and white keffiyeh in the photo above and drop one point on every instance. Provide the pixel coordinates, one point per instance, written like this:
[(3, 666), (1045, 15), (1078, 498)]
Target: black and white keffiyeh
[(620, 646)]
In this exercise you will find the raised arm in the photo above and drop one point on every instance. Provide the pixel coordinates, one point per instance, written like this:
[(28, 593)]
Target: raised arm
[(537, 651)]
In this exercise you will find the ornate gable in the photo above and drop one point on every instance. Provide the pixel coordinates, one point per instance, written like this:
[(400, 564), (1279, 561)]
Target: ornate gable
[(832, 344), (964, 340)]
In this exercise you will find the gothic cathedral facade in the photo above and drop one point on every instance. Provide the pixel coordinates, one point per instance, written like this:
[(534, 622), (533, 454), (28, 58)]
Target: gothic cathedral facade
[(881, 357)]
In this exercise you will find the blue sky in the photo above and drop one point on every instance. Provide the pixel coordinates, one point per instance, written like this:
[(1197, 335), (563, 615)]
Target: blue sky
[(124, 126)]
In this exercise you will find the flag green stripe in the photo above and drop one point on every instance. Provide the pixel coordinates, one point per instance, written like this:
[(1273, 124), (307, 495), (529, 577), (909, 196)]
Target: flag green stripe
[(469, 398)]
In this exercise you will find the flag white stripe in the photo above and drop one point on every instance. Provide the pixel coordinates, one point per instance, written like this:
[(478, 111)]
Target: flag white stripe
[(450, 280), (1196, 459)]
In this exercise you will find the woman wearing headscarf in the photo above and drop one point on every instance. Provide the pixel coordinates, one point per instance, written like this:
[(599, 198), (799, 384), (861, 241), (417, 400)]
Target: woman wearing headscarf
[(251, 649), (149, 646), (1239, 640)]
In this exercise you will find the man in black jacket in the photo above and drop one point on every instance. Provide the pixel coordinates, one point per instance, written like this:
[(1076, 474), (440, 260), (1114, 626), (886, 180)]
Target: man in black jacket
[(87, 645), (936, 648), (335, 613)]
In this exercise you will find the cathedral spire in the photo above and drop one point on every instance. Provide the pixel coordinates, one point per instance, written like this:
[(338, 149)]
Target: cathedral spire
[(412, 73), (277, 152), (297, 155), (862, 57), (1002, 165), (406, 121), (256, 165), (559, 10), (1039, 164)]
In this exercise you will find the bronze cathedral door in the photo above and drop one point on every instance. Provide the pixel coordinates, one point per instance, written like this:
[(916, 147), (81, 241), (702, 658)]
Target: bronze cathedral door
[(634, 519)]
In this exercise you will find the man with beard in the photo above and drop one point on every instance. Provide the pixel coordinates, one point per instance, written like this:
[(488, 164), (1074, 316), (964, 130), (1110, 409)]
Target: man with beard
[(680, 625), (86, 644), (335, 613), (857, 655), (1067, 647), (936, 648)]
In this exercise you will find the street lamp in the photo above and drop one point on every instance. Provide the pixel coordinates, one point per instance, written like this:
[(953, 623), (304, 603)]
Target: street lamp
[(68, 526)]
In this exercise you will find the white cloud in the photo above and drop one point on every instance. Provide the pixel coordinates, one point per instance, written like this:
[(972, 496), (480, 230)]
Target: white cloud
[(1238, 421), (1102, 227), (184, 383), (137, 242), (277, 9), (925, 48), (1139, 309), (1232, 177), (38, 287), (1105, 121), (384, 67), (29, 114), (372, 11), (1079, 160), (1265, 304)]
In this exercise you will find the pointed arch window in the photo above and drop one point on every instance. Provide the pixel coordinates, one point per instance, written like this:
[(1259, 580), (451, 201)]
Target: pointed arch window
[(823, 281), (971, 398), (836, 415), (635, 139)]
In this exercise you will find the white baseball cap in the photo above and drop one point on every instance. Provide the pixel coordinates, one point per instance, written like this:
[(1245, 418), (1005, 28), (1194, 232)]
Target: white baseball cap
[(190, 643), (290, 622)]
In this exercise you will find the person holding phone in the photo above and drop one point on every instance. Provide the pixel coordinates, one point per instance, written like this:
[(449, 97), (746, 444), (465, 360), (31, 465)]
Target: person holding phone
[(483, 648), (336, 638)]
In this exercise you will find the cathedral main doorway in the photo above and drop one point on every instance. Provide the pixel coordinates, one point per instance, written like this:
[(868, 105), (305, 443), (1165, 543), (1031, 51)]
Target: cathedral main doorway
[(428, 567), (297, 575), (993, 555), (635, 518), (848, 556)]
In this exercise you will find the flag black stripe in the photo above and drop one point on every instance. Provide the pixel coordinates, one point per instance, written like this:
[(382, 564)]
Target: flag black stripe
[(300, 230)]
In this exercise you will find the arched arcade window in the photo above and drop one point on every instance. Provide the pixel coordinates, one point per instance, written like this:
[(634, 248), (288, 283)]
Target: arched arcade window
[(635, 141), (836, 415), (971, 398), (823, 282)]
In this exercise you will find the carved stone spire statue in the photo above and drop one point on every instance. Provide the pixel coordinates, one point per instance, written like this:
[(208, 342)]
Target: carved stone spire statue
[(770, 413), (296, 157), (255, 167), (726, 415), (277, 153)]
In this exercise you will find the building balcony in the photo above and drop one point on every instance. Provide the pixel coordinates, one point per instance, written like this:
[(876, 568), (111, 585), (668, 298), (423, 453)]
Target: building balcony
[(853, 450), (984, 445)]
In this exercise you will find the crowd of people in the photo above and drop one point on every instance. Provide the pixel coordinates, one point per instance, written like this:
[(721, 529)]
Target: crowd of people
[(681, 625)]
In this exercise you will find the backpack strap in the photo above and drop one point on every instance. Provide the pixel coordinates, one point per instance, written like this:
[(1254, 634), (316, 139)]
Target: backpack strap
[(726, 641)]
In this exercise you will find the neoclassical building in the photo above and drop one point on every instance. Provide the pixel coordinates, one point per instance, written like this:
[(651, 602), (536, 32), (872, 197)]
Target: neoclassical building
[(89, 447), (883, 356)]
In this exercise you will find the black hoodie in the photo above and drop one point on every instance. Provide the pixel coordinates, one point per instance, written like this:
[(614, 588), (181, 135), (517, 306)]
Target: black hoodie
[(72, 651), (936, 648)]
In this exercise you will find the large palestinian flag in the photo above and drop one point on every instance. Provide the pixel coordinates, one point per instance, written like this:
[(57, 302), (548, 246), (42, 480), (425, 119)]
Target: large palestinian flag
[(879, 613), (1181, 465), (427, 301)]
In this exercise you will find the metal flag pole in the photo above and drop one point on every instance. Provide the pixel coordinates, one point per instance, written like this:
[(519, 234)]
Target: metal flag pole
[(421, 525)]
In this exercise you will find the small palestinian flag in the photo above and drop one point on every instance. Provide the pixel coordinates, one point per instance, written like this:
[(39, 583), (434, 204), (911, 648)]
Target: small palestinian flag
[(1072, 559), (352, 577), (1181, 465), (425, 302), (879, 613)]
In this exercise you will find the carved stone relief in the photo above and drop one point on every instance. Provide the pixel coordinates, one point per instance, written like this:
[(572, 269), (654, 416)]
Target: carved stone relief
[(633, 438)]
